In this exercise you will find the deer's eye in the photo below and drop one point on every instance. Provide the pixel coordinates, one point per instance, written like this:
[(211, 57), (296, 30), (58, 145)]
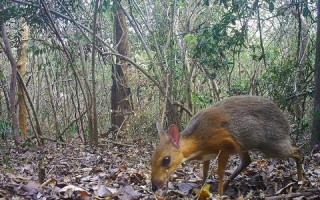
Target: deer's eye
[(166, 161)]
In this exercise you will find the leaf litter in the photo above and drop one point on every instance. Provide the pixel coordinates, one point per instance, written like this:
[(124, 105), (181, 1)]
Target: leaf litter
[(115, 171)]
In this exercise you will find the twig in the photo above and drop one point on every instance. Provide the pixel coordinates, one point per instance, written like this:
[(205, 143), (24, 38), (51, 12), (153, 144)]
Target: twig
[(165, 101), (291, 195), (70, 124), (119, 128), (183, 108), (210, 169), (113, 51), (38, 132), (117, 143), (13, 82), (282, 189), (49, 181)]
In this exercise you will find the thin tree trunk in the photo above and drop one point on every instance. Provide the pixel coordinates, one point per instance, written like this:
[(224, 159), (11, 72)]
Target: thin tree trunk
[(54, 110), (5, 94), (13, 85), (121, 103), (261, 40), (38, 128), (87, 98), (315, 138), (67, 53), (171, 62), (22, 70), (94, 138), (1, 111), (39, 81), (77, 108), (303, 41)]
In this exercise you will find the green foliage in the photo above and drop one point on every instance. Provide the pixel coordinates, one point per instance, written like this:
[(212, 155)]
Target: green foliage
[(225, 36), (223, 45), (240, 86), (2, 75), (276, 80), (106, 5), (191, 39), (5, 128), (74, 128), (27, 143), (201, 98), (5, 159), (316, 113), (12, 11), (306, 11), (270, 5)]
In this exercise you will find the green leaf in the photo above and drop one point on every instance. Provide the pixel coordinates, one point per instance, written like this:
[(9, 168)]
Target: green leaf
[(224, 2), (261, 57), (1, 75), (306, 11), (8, 13), (106, 4), (317, 113), (255, 4), (191, 39), (271, 6)]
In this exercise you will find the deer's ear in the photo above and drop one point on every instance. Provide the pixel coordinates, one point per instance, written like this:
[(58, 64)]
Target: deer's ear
[(162, 135), (174, 135)]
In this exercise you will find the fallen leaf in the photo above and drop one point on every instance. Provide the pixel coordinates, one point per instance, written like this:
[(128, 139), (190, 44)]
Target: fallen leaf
[(70, 190), (186, 187), (203, 193), (128, 193), (31, 188), (103, 191)]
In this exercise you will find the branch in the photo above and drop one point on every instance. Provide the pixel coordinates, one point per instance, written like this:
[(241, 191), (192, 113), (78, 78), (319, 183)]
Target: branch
[(113, 51), (38, 132), (94, 134), (133, 24), (70, 124), (291, 195), (155, 82), (261, 39), (183, 108), (13, 82), (69, 19)]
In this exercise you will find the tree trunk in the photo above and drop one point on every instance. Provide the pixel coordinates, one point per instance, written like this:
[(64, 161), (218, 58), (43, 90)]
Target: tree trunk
[(54, 109), (315, 138), (94, 138), (299, 74), (87, 98), (13, 84), (22, 70), (121, 103), (5, 94)]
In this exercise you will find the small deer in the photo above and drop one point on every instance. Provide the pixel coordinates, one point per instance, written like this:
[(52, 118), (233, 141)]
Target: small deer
[(234, 125)]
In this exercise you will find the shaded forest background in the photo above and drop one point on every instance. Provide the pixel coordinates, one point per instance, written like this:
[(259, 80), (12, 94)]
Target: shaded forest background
[(111, 68), (77, 74)]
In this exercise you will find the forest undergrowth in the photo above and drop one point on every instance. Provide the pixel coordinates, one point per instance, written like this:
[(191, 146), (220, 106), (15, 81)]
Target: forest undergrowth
[(121, 170)]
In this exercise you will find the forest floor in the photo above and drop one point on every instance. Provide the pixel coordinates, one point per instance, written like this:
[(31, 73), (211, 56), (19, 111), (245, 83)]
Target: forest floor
[(121, 170)]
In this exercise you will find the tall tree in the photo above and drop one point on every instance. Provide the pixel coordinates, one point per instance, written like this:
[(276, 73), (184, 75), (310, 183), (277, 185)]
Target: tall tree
[(121, 103), (94, 136), (22, 70), (315, 139), (13, 82)]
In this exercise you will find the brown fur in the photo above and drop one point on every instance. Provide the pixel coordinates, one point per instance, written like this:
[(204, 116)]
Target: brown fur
[(233, 126)]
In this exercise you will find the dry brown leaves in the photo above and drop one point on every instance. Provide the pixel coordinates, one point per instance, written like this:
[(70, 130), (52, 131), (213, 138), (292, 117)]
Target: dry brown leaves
[(115, 171)]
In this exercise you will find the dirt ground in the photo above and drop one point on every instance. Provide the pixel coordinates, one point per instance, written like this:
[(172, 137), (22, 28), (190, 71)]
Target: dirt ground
[(121, 170)]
